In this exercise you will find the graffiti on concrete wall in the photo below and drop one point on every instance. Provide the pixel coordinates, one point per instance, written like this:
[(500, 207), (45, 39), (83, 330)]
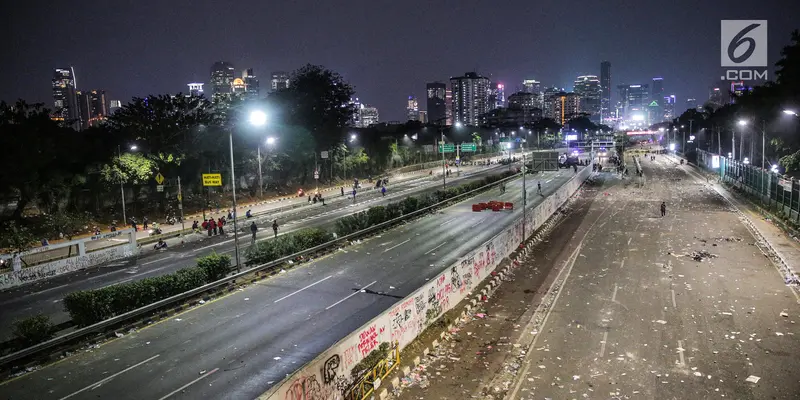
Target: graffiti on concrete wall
[(327, 377), (47, 270)]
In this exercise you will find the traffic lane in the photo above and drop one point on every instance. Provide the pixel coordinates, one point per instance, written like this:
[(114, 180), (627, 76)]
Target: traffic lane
[(208, 324), (46, 296)]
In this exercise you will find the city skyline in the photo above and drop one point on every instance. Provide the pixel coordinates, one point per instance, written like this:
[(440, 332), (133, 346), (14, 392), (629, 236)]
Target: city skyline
[(137, 65)]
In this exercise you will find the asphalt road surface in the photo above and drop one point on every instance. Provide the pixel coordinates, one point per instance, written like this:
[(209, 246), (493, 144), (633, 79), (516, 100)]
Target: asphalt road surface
[(637, 316), (238, 346), (45, 296)]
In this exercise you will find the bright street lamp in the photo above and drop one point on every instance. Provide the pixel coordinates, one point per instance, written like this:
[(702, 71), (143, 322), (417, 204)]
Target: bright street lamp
[(122, 184), (258, 118), (353, 137), (458, 124), (270, 140), (742, 122), (790, 112)]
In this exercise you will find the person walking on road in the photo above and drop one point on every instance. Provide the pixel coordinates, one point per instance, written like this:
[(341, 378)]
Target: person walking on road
[(539, 185), (342, 191), (220, 224), (275, 227), (383, 190), (253, 230), (663, 209)]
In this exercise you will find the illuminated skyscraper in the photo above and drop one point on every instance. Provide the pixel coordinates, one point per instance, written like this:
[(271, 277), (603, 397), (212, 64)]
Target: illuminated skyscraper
[(195, 89), (470, 98), (605, 91), (669, 107), (279, 81), (250, 84), (412, 109), (437, 106), (114, 105), (221, 80), (448, 104), (588, 88), (497, 95), (93, 107), (65, 98)]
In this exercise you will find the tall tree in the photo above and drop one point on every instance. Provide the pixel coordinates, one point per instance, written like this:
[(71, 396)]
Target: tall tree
[(317, 100)]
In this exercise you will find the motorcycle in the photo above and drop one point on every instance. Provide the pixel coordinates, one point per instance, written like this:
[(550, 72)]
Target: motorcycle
[(171, 220), (155, 231)]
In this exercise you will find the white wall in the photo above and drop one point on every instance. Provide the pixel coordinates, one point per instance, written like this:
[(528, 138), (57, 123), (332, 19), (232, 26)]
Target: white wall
[(329, 373), (47, 270)]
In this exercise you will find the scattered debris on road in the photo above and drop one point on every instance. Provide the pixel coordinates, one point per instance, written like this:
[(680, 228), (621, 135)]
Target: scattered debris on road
[(701, 255)]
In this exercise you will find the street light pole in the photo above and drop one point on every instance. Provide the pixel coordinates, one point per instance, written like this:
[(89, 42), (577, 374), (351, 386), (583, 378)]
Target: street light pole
[(260, 180), (233, 188), (122, 188), (524, 198), (444, 163)]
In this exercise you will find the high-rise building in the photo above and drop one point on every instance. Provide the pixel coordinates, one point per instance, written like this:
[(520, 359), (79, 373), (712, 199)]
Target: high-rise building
[(437, 106), (195, 89), (605, 91), (114, 105), (363, 115), (561, 106), (656, 96), (497, 95), (527, 104), (65, 97), (423, 116), (657, 90), (534, 87), (279, 81), (93, 107), (412, 109), (691, 104), (669, 108), (738, 89), (634, 103), (715, 98), (238, 88), (588, 88), (221, 80), (470, 98), (548, 103), (448, 104), (250, 84)]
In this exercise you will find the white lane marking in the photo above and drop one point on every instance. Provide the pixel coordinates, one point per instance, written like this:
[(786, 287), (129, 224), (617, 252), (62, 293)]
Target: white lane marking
[(355, 293), (155, 261), (622, 264), (190, 383), (680, 352), (443, 243), (106, 379), (214, 245), (674, 304), (397, 245), (116, 283), (300, 290), (614, 296), (603, 344), (629, 241)]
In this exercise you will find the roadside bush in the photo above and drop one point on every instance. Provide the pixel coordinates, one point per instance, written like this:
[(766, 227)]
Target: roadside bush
[(282, 246), (33, 330), (86, 307), (409, 205), (376, 215), (215, 265)]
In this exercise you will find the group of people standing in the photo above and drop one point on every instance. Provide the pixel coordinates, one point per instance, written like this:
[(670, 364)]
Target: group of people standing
[(214, 227)]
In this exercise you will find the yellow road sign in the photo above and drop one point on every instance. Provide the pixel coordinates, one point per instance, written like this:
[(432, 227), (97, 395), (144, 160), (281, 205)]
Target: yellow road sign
[(180, 197), (159, 178), (212, 179)]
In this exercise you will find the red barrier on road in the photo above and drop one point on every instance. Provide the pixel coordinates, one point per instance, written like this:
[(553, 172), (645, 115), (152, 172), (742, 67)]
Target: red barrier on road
[(509, 206), (477, 208)]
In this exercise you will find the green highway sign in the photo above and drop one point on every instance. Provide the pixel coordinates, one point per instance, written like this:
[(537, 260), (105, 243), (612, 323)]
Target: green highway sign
[(505, 139), (468, 147), (448, 148)]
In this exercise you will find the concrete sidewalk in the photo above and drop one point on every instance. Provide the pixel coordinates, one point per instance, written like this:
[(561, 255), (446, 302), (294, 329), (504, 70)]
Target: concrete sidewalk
[(785, 249)]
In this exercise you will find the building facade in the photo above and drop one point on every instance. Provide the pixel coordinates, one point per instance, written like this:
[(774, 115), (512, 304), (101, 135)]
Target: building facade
[(93, 107), (412, 109), (437, 106), (605, 91), (196, 89), (588, 88), (634, 102), (222, 76), (279, 81), (669, 107), (251, 88), (65, 98), (470, 98), (497, 95), (363, 115)]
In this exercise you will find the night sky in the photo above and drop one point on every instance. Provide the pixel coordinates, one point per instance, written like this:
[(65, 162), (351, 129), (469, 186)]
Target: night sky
[(387, 49)]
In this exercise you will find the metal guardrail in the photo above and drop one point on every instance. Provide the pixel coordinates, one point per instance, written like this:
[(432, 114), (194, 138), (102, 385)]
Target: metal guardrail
[(102, 325)]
